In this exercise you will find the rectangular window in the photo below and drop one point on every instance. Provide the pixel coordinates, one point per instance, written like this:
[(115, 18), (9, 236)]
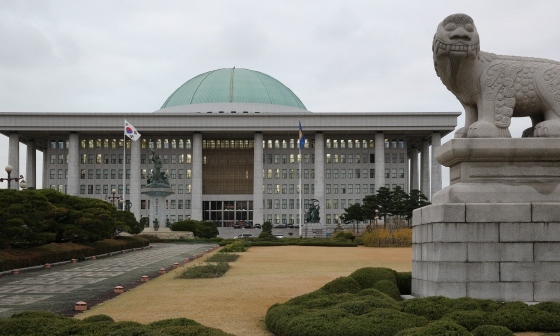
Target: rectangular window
[(90, 173), (328, 189), (372, 173), (328, 158), (343, 173), (387, 158), (401, 157), (98, 173), (335, 174), (371, 158), (328, 173), (82, 189), (90, 189), (189, 188), (357, 173), (53, 174), (189, 174), (180, 189), (350, 158), (284, 204), (387, 173), (291, 188), (113, 173), (372, 189), (187, 204), (284, 188), (335, 188), (328, 204), (350, 189), (291, 203), (179, 204), (350, 173), (61, 173), (98, 189)]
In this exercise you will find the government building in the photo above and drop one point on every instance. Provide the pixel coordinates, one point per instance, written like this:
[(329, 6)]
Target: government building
[(228, 141)]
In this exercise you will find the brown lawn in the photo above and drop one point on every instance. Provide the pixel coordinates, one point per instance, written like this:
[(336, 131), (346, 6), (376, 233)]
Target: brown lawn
[(238, 301), (261, 277)]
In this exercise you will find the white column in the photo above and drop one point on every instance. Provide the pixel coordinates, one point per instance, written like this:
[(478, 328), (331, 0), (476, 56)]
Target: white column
[(436, 167), (13, 158), (135, 178), (196, 200), (258, 179), (45, 165), (73, 164), (425, 169), (414, 168), (320, 172), (379, 160), (31, 165)]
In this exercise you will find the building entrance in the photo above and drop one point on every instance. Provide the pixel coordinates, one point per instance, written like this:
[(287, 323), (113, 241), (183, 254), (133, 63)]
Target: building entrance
[(228, 213)]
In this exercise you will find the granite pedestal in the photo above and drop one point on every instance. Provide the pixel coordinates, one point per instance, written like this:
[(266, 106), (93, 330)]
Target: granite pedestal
[(494, 233)]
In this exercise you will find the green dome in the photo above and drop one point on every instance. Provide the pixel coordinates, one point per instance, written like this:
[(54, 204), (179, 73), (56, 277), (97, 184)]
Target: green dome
[(233, 86)]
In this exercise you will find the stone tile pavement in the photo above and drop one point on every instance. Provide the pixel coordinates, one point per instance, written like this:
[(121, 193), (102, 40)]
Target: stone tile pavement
[(59, 288)]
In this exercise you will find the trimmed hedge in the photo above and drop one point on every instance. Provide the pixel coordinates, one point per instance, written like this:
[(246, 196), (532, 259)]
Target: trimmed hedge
[(404, 282), (46, 323), (339, 308), (51, 253), (368, 276)]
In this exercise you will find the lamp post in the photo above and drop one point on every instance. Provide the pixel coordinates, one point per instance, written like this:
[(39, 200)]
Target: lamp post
[(113, 198), (9, 170)]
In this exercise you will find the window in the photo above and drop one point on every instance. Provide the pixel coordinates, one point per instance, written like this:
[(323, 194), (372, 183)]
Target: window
[(328, 189), (328, 174), (335, 188), (284, 158), (328, 143), (189, 188), (284, 188), (82, 160), (269, 204), (401, 172), (386, 143), (335, 173), (350, 158), (98, 173), (328, 159), (394, 173), (277, 173), (291, 203), (393, 143), (306, 173), (180, 189), (82, 189), (90, 189), (343, 188), (98, 189), (187, 204), (189, 174), (343, 173), (350, 173), (386, 172), (277, 189), (328, 204), (372, 173), (291, 188), (335, 202), (180, 204), (357, 173), (53, 174), (284, 173), (387, 158), (269, 188), (60, 144), (306, 188), (401, 143), (113, 173), (284, 204), (83, 173), (90, 173), (276, 158)]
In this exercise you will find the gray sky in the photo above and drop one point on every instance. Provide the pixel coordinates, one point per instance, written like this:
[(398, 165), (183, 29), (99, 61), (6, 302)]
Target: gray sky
[(336, 55)]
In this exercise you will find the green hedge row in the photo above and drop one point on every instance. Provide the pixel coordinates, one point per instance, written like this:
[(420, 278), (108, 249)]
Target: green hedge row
[(51, 253), (46, 323), (268, 241), (368, 302)]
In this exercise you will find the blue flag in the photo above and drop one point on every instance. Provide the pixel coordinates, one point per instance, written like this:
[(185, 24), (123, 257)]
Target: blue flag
[(301, 140)]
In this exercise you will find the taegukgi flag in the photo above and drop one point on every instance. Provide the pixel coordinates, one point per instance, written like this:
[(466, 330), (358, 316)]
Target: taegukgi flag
[(301, 140), (130, 131)]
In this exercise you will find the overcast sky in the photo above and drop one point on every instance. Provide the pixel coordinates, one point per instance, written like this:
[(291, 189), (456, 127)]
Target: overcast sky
[(336, 55)]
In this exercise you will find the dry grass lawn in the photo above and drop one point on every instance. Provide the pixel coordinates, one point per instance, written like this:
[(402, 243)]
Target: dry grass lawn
[(238, 301), (261, 277)]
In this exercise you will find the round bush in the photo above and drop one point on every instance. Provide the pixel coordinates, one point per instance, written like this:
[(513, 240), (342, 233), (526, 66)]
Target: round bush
[(404, 282), (374, 292), (551, 307), (524, 318), (368, 276), (492, 330), (181, 321), (389, 288), (443, 327), (379, 302), (356, 307), (342, 285), (465, 303), (98, 318), (470, 319), (433, 308)]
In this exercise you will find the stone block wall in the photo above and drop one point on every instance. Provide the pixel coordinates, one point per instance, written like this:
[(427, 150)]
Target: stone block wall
[(499, 251)]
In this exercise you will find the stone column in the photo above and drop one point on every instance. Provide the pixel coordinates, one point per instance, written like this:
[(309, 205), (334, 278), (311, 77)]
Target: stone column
[(13, 158), (436, 167), (414, 168), (135, 178), (379, 160), (31, 165), (196, 196), (45, 165), (73, 164), (258, 179), (320, 172), (425, 169)]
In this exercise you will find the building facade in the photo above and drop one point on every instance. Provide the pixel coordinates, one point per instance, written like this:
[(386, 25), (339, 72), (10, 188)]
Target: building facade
[(228, 140)]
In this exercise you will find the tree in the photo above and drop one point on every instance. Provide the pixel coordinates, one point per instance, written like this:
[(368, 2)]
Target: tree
[(370, 207), (384, 202), (353, 214), (415, 200), (267, 227), (399, 200)]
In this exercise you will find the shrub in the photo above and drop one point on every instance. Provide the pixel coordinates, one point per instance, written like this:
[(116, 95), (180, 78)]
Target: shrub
[(368, 276), (470, 319), (265, 235), (237, 246), (223, 257), (492, 330), (98, 318), (437, 328), (174, 322), (404, 282), (551, 307), (520, 317), (205, 271), (34, 323), (433, 308), (389, 288), (342, 285), (381, 237), (186, 225)]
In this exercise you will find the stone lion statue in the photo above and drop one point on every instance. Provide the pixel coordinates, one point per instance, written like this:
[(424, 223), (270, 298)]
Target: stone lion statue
[(493, 88)]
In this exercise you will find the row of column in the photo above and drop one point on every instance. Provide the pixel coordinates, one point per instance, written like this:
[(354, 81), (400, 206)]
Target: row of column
[(428, 186)]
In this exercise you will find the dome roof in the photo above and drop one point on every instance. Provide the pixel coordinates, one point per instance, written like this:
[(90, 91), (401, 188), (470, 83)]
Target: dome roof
[(233, 86)]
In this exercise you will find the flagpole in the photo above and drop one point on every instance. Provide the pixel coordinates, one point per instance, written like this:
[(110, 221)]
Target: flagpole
[(124, 167), (300, 191)]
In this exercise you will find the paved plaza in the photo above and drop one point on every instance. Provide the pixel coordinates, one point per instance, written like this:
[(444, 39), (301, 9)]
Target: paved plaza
[(59, 288)]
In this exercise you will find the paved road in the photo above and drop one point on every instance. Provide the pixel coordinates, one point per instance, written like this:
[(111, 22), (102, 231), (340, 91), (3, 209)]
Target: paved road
[(59, 288)]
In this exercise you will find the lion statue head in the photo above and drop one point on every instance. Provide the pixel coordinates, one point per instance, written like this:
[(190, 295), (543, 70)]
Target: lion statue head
[(456, 35)]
